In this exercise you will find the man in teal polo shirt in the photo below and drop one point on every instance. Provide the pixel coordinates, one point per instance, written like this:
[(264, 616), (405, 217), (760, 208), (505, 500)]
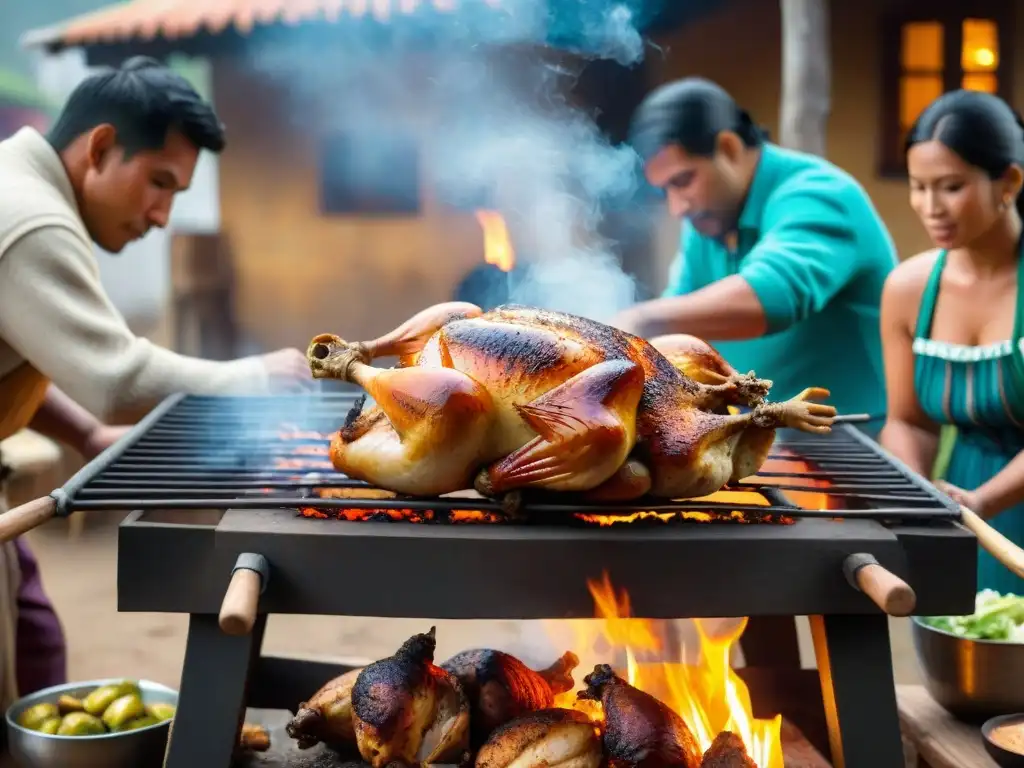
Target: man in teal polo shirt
[(783, 255)]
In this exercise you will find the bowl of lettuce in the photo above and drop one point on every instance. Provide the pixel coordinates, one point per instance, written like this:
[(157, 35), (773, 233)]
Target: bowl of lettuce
[(974, 665)]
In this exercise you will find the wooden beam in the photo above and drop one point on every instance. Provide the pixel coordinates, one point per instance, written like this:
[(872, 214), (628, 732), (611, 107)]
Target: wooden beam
[(806, 75)]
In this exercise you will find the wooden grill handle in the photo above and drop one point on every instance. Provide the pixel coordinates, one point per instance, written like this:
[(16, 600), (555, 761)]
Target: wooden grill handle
[(22, 519), (886, 590), (241, 601), (1000, 547)]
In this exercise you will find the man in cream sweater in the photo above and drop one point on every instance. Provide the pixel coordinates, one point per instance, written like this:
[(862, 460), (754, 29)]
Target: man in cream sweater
[(125, 144)]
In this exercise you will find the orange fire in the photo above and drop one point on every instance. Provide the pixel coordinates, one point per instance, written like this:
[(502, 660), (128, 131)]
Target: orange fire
[(497, 244), (709, 695), (734, 497), (796, 469)]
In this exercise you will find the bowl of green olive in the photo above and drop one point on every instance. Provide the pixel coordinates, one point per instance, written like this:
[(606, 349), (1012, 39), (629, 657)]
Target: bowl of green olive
[(114, 723)]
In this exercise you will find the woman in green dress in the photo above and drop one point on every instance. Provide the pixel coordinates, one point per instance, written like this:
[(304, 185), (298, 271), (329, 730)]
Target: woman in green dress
[(952, 316)]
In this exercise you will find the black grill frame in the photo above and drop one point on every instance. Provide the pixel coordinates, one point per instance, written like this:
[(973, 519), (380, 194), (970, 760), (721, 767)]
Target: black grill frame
[(177, 553)]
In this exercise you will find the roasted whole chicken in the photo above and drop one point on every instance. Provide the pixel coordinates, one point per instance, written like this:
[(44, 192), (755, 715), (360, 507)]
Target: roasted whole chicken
[(639, 730), (520, 398), (327, 716), (548, 738), (407, 710), (500, 687)]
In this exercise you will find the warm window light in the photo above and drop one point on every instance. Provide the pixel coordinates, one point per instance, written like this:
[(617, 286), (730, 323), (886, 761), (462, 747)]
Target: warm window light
[(984, 57)]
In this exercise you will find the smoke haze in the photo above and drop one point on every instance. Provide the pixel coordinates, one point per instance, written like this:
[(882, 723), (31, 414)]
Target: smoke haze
[(485, 99)]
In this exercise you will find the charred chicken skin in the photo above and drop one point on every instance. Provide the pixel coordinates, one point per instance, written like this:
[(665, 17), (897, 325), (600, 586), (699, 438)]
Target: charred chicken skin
[(327, 716), (520, 398), (548, 738), (638, 729), (407, 710), (501, 688), (727, 751)]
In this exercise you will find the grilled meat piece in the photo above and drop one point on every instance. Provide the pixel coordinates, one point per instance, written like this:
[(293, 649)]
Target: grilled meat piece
[(327, 716), (501, 688), (408, 710), (254, 738), (727, 751), (529, 398), (548, 738), (638, 729)]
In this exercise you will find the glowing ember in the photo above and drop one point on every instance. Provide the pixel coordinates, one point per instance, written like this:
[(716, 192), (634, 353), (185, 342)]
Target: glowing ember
[(455, 516), (709, 696), (740, 498), (795, 469), (295, 433), (497, 244)]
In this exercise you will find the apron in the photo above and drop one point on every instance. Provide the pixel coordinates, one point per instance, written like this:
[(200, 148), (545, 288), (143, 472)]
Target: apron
[(22, 392)]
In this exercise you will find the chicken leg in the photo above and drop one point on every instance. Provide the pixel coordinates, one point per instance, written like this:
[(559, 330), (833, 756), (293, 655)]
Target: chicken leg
[(418, 410), (755, 443), (697, 450), (721, 384)]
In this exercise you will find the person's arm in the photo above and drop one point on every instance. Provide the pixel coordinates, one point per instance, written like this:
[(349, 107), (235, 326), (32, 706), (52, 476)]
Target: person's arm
[(56, 315), (726, 309), (908, 433), (686, 308), (807, 253), (62, 419), (1004, 490)]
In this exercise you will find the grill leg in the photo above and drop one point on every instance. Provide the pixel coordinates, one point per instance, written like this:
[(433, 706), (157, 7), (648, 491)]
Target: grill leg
[(771, 641), (211, 702), (857, 686)]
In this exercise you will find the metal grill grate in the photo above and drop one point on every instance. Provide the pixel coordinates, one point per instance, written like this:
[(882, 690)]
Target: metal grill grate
[(259, 452)]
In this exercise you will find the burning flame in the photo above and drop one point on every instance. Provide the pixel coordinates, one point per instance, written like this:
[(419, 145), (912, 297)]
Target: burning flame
[(709, 696), (497, 244), (796, 470)]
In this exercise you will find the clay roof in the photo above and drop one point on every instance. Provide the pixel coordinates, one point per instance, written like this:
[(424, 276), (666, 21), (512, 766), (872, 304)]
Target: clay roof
[(171, 19)]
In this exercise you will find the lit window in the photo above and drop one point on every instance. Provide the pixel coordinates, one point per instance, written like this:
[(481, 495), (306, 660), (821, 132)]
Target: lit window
[(979, 55), (922, 63), (922, 70)]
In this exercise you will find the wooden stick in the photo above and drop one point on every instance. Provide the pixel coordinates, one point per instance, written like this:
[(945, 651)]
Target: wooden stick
[(22, 519), (1000, 547), (887, 590), (241, 602)]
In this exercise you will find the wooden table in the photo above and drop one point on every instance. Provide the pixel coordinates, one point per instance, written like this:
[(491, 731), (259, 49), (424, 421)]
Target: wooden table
[(933, 738)]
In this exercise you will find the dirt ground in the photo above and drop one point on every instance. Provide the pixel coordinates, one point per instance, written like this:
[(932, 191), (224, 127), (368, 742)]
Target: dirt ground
[(79, 573)]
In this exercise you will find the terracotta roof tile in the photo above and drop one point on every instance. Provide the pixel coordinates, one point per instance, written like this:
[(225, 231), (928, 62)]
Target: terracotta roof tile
[(146, 19)]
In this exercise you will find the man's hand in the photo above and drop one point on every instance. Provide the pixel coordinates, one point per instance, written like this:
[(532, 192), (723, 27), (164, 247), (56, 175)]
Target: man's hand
[(288, 370), (629, 320), (101, 438)]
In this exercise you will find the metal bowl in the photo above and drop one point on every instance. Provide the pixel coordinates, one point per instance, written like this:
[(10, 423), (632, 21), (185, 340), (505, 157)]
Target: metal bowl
[(972, 679), (129, 749)]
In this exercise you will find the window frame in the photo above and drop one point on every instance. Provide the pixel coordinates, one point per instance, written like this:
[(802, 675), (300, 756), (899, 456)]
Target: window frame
[(951, 14), (332, 204)]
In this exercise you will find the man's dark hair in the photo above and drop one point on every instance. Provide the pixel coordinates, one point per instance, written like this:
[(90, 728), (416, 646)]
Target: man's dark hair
[(691, 113), (144, 101)]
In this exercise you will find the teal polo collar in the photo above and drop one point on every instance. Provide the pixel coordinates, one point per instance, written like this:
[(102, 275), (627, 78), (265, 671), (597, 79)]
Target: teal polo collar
[(761, 187)]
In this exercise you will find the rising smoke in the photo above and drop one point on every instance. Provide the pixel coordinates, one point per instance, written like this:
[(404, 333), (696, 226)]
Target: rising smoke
[(485, 97)]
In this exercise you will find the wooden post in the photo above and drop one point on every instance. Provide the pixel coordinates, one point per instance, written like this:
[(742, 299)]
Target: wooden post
[(806, 75), (202, 283)]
